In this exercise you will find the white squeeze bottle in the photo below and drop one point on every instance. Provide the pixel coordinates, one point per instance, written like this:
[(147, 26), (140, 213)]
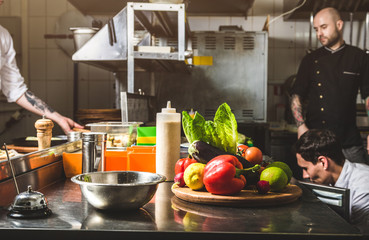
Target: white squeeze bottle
[(168, 140)]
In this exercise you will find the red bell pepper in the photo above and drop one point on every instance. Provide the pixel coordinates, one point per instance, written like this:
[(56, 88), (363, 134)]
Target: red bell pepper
[(223, 175), (182, 164)]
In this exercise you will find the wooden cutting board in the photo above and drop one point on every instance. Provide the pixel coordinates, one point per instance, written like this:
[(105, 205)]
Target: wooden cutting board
[(22, 149), (246, 198)]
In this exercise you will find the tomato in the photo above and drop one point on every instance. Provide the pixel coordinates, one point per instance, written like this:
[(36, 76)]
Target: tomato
[(182, 164), (241, 149), (254, 155)]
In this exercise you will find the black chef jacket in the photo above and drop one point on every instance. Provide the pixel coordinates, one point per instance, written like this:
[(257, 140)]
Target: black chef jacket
[(328, 82)]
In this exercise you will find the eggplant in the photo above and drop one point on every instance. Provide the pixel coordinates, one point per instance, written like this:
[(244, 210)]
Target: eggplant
[(203, 153)]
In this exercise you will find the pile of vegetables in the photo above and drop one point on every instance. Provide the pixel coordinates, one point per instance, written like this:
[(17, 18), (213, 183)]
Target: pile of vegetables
[(217, 161)]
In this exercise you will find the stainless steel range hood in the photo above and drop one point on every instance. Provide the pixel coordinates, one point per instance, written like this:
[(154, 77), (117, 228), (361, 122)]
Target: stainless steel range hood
[(194, 7)]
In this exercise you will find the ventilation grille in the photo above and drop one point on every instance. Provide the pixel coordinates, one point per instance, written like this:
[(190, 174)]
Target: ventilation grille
[(248, 43), (210, 43), (247, 113), (171, 42), (194, 42), (229, 43)]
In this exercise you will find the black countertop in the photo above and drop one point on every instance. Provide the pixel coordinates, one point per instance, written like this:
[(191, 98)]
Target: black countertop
[(167, 217)]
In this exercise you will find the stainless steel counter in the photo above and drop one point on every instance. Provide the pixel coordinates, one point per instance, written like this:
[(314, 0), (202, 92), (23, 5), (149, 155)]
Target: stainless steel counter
[(167, 217)]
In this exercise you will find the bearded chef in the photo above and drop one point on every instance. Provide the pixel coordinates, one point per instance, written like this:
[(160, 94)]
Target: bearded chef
[(328, 81)]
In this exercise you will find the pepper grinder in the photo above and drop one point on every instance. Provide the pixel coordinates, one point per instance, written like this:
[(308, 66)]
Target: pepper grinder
[(44, 128)]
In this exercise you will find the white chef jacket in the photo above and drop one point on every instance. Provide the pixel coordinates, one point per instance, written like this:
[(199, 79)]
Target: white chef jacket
[(355, 176), (11, 81)]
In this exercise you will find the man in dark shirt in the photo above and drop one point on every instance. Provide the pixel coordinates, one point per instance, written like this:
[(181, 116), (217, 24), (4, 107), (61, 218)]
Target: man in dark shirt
[(327, 85)]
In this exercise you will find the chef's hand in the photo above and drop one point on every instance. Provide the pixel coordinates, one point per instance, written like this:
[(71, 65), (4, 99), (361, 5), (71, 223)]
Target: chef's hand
[(67, 124), (301, 130)]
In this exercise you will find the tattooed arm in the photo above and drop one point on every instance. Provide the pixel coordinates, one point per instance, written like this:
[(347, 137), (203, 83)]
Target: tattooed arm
[(296, 108), (33, 104)]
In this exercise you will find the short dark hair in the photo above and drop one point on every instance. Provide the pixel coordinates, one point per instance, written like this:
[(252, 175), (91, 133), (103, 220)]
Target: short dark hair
[(319, 142)]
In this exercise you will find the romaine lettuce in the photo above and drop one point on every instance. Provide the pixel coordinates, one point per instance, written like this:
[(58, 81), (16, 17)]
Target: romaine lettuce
[(221, 133), (193, 127), (226, 126)]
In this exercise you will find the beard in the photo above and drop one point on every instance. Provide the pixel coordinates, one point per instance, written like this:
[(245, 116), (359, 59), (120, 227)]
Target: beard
[(331, 40)]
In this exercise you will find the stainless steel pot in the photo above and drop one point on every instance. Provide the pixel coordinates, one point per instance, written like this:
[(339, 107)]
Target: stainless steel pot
[(81, 35)]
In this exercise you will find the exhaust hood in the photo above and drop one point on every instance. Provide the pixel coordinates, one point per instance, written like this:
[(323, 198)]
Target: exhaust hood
[(193, 8), (359, 8)]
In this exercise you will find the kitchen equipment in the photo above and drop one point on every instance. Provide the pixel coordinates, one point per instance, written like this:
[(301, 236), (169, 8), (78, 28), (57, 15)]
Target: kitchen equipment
[(74, 136), (365, 31), (81, 35), (86, 116), (33, 142), (137, 107), (118, 190), (44, 128), (246, 198), (93, 151), (72, 164), (246, 88), (11, 167), (120, 135), (29, 204)]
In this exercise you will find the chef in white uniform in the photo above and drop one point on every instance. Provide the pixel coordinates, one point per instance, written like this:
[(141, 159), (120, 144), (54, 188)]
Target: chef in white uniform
[(14, 88)]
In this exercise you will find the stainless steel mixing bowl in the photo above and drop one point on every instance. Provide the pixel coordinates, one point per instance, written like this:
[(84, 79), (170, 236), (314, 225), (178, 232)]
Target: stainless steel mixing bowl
[(118, 190)]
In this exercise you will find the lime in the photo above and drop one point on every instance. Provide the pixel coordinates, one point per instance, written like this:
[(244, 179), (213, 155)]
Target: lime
[(193, 176), (276, 177), (284, 167)]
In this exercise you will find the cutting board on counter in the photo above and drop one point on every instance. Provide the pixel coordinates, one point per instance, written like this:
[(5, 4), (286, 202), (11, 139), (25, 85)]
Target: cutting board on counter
[(246, 198), (23, 145), (22, 149)]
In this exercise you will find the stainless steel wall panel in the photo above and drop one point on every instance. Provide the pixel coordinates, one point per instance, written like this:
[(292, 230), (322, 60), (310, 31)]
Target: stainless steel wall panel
[(237, 76)]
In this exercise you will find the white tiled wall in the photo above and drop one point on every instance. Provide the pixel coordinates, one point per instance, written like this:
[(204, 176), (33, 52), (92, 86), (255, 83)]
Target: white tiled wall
[(51, 69)]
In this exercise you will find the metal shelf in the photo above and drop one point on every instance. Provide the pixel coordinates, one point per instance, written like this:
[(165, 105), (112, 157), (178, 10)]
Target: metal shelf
[(113, 47)]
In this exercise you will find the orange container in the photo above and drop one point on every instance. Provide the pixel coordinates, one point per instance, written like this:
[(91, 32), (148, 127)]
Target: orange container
[(116, 161), (142, 149), (136, 158), (72, 164), (141, 158)]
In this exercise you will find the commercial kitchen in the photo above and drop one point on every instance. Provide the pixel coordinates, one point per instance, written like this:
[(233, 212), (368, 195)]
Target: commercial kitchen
[(113, 65)]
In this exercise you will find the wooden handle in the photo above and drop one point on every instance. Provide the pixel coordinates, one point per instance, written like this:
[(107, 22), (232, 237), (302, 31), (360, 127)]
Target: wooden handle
[(81, 130)]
